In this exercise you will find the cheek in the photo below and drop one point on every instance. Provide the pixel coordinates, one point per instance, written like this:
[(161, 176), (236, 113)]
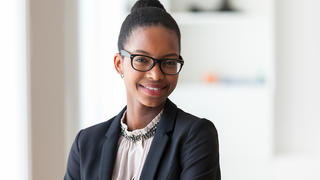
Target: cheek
[(173, 82), (132, 77)]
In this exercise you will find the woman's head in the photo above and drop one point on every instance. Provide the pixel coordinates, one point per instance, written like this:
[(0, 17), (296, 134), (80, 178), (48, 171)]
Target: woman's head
[(146, 13), (150, 34)]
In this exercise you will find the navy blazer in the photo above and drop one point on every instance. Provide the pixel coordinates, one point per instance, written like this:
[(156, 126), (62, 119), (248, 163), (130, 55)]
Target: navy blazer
[(184, 147)]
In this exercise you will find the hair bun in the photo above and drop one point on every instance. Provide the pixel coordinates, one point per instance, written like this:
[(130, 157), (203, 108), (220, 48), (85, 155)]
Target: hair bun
[(147, 3)]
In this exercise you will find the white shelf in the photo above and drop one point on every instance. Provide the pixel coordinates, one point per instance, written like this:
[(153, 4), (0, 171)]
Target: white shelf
[(225, 45), (189, 18), (229, 44), (261, 7)]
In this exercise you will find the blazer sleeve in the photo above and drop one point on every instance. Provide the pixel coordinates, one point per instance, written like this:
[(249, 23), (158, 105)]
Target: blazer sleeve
[(200, 152), (73, 165)]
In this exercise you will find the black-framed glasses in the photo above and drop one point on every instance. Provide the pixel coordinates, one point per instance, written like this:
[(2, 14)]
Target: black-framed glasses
[(145, 63)]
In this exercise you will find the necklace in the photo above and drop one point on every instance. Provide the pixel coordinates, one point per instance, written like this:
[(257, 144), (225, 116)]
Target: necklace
[(150, 133)]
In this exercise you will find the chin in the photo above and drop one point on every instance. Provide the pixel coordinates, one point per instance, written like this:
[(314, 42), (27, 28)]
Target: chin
[(152, 103)]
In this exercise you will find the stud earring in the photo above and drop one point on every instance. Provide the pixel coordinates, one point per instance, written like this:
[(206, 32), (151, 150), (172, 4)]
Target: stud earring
[(122, 76)]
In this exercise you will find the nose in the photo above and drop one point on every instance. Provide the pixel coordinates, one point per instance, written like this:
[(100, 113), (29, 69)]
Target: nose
[(155, 73)]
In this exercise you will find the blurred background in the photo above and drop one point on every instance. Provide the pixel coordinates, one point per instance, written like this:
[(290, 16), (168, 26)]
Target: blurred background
[(251, 67)]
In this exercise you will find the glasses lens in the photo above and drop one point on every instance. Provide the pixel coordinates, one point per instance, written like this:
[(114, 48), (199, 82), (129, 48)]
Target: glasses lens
[(142, 63), (171, 66)]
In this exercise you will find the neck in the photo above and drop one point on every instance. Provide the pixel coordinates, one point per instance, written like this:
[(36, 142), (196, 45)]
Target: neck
[(139, 116)]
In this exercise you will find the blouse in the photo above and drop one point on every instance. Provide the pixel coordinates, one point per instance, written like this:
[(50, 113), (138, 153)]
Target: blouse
[(132, 152)]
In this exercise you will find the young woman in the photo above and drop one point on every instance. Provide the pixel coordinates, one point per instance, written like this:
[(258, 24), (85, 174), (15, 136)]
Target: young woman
[(150, 138)]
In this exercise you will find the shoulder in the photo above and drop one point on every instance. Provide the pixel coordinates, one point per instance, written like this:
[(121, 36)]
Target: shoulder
[(199, 147), (192, 124), (182, 122), (94, 133)]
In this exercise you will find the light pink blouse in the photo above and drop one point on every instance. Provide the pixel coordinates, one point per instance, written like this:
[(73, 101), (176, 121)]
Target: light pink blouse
[(132, 155)]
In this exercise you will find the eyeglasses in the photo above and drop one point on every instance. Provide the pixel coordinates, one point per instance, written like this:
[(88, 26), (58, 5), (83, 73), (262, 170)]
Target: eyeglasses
[(145, 63)]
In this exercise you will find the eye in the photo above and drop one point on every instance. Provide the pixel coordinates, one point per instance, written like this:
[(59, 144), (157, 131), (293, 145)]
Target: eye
[(171, 62), (141, 59)]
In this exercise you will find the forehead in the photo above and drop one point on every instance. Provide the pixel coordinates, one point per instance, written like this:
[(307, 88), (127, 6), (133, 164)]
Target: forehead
[(155, 39)]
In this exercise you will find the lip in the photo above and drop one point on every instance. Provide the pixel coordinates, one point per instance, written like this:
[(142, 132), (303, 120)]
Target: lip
[(153, 89)]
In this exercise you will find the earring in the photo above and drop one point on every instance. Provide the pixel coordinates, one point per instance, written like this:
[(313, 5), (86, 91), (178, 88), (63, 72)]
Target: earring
[(122, 76)]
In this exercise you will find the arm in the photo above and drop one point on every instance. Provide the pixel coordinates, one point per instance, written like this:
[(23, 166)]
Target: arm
[(200, 153), (73, 166)]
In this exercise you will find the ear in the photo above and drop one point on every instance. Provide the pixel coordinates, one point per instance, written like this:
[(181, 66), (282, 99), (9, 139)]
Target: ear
[(118, 63)]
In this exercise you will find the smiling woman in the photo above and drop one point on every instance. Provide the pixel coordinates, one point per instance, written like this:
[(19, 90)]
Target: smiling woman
[(152, 87), (151, 137)]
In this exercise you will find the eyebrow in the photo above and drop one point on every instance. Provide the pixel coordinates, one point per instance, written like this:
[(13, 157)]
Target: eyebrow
[(147, 53)]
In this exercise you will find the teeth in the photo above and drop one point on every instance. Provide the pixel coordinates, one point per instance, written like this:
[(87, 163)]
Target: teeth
[(153, 89)]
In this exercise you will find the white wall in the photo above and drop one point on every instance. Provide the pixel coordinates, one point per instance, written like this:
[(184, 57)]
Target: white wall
[(297, 104), (13, 91), (297, 101)]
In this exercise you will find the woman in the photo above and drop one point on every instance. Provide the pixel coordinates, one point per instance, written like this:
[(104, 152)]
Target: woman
[(150, 138)]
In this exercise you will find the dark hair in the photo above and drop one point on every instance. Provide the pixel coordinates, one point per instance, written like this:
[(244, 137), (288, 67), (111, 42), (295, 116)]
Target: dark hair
[(146, 13)]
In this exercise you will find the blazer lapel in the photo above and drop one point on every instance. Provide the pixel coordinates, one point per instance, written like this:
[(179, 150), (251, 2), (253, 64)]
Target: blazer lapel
[(109, 148), (159, 141)]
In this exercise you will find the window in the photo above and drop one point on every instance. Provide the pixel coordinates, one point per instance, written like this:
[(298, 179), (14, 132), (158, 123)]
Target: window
[(102, 93), (13, 91)]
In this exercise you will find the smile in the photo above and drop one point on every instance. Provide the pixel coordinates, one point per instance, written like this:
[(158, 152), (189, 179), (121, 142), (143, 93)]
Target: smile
[(153, 91)]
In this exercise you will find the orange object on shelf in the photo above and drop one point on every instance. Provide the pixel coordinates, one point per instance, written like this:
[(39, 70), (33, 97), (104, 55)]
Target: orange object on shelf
[(210, 78)]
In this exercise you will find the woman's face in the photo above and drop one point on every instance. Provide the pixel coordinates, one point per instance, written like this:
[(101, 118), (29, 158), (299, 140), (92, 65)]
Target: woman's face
[(149, 88)]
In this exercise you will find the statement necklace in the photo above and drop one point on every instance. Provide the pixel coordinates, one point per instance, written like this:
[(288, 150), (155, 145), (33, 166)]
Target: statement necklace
[(150, 133)]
